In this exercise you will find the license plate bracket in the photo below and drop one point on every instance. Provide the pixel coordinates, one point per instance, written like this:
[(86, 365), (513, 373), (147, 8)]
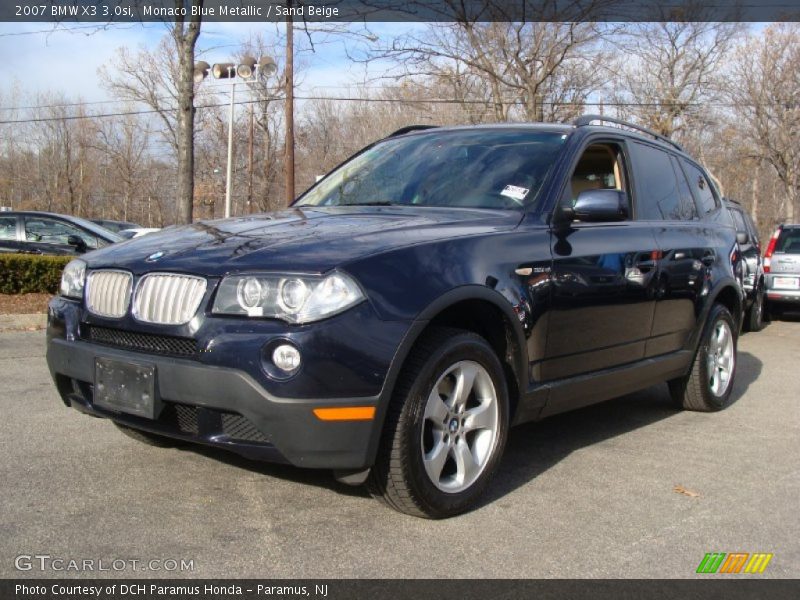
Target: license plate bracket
[(126, 386)]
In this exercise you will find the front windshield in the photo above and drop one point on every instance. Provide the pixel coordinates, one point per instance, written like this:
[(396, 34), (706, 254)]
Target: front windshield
[(478, 168)]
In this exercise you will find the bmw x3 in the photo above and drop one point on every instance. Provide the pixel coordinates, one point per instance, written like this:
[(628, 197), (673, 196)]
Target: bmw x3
[(438, 287)]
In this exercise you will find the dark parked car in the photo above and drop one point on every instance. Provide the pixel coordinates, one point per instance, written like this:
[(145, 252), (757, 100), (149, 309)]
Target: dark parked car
[(115, 226), (782, 265), (33, 232), (752, 265), (437, 288)]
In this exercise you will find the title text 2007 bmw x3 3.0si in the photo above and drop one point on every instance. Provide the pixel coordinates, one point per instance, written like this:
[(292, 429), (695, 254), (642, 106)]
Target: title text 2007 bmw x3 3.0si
[(438, 287)]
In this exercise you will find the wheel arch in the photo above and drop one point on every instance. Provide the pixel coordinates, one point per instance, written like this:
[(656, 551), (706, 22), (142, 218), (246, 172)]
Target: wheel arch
[(729, 296), (473, 308)]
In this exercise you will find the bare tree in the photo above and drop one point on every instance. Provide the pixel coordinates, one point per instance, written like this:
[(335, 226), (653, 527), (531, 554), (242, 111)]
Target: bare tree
[(124, 143), (185, 37), (164, 81), (266, 119), (669, 71), (63, 136), (531, 70), (765, 91)]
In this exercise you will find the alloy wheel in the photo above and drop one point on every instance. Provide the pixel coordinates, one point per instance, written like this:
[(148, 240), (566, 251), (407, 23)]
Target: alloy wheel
[(721, 358), (460, 428)]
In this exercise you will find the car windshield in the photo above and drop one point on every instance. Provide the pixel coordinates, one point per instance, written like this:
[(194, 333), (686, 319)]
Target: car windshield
[(96, 229), (500, 169)]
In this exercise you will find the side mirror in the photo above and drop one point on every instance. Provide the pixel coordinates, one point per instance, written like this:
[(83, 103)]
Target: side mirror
[(77, 242), (742, 237), (597, 206)]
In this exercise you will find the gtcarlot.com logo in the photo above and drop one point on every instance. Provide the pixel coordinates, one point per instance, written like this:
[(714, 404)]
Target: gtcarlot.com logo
[(46, 562), (734, 562)]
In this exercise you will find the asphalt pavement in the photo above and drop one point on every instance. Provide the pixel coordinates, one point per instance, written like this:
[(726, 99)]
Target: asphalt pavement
[(586, 494)]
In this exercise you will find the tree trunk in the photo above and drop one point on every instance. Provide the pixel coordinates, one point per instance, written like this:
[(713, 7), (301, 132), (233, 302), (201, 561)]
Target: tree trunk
[(185, 37), (289, 108)]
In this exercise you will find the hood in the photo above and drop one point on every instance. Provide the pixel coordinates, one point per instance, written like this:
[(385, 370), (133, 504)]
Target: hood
[(307, 239)]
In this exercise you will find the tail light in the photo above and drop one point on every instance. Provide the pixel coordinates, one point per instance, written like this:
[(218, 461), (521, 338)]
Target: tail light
[(771, 250)]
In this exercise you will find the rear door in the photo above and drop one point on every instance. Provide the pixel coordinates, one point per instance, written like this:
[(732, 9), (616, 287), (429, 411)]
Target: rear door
[(665, 202)]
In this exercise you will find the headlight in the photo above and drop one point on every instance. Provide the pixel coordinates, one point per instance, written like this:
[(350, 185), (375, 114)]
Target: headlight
[(297, 299), (73, 279)]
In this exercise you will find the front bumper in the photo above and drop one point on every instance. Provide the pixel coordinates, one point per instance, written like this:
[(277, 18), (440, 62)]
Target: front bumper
[(225, 404)]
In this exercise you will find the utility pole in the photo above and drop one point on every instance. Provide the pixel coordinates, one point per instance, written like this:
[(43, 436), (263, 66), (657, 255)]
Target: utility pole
[(289, 109)]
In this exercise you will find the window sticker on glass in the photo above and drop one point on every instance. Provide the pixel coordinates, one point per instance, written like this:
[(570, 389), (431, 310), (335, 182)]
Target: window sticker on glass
[(515, 192)]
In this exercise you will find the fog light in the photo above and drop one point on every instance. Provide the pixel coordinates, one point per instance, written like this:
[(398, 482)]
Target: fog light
[(286, 358)]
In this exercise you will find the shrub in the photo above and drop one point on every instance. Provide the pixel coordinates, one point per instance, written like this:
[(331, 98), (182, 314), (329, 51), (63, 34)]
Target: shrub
[(30, 273)]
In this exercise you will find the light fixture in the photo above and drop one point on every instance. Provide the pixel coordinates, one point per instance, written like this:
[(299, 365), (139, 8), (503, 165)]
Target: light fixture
[(286, 357), (267, 67), (201, 71), (246, 68), (223, 70)]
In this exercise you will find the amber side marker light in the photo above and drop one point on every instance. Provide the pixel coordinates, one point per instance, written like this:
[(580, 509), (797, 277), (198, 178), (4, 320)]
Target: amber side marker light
[(346, 413)]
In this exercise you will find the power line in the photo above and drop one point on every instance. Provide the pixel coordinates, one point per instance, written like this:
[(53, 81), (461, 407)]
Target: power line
[(66, 29), (362, 99), (211, 86)]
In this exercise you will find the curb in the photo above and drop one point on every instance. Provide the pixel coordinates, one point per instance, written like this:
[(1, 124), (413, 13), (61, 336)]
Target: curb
[(23, 322)]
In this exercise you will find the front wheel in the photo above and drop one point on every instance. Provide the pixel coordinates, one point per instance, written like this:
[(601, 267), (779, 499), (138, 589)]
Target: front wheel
[(446, 427), (708, 386)]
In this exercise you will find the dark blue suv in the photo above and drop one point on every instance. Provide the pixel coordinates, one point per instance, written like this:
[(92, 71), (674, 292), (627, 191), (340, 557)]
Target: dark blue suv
[(438, 287)]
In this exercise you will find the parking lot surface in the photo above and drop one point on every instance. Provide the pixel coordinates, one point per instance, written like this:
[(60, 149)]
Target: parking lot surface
[(585, 494)]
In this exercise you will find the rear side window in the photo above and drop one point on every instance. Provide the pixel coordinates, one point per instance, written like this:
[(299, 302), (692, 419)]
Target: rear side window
[(702, 189), (738, 220), (788, 241), (751, 228), (659, 190), (8, 228), (688, 209)]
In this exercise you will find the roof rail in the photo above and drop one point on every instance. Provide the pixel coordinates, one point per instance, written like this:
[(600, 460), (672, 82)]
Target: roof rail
[(585, 120), (409, 129)]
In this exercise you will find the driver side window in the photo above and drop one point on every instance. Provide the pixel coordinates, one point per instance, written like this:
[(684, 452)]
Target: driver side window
[(600, 167)]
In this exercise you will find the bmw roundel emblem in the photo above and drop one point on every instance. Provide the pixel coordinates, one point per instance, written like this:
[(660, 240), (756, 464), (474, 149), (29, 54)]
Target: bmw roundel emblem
[(155, 256)]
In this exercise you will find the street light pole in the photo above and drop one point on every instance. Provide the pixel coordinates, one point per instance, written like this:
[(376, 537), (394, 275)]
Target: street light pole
[(246, 70), (229, 175)]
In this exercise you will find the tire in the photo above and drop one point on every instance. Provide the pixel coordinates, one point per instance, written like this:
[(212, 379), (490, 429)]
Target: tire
[(774, 313), (145, 437), (754, 318), (707, 388), (434, 461)]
